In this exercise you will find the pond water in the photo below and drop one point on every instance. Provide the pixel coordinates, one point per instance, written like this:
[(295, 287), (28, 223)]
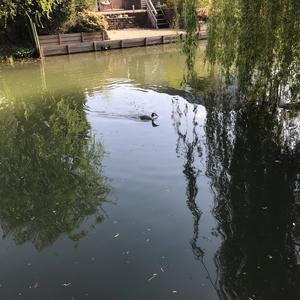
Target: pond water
[(96, 204)]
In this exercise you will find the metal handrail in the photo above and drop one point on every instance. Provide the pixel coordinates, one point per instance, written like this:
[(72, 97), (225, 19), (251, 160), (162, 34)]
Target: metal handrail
[(151, 6), (152, 12)]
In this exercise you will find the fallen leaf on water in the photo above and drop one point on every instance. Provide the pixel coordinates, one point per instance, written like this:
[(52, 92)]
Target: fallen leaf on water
[(67, 284), (152, 277)]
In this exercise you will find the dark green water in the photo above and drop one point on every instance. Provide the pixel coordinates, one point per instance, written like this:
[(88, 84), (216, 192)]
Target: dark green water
[(95, 204)]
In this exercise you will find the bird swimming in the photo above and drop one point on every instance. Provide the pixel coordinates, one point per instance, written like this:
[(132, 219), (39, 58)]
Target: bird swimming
[(149, 118)]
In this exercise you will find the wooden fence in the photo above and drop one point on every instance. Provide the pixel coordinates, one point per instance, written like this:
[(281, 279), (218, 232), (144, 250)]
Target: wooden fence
[(72, 38), (54, 48)]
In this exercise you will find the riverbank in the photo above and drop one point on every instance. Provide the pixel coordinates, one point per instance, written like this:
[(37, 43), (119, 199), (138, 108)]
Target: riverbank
[(115, 39)]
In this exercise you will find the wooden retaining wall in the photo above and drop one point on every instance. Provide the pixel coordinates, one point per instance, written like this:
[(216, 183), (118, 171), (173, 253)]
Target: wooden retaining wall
[(90, 46), (72, 38)]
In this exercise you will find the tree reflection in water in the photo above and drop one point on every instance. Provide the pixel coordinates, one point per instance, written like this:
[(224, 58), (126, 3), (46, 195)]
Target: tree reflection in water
[(254, 172), (253, 147), (50, 170), (189, 146)]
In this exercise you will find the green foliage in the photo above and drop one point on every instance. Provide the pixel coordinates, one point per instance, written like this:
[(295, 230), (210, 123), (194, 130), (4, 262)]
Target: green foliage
[(60, 14), (10, 9), (80, 5), (202, 3), (190, 45), (257, 43), (170, 3), (88, 21), (23, 52)]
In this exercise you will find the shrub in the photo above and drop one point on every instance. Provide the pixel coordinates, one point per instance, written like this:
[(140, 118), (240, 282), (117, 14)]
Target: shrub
[(88, 21), (169, 3), (20, 52)]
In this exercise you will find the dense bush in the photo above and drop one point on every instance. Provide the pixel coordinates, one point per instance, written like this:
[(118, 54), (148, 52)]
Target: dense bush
[(169, 3), (87, 21), (23, 52), (64, 15)]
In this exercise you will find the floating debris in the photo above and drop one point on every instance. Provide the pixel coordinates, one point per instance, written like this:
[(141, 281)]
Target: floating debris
[(35, 285), (148, 229), (175, 292), (152, 277), (67, 284), (270, 256), (162, 269), (294, 224), (147, 240), (264, 208), (116, 235)]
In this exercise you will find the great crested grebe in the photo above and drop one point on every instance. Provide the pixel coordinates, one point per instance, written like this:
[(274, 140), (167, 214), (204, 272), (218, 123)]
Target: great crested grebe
[(148, 118)]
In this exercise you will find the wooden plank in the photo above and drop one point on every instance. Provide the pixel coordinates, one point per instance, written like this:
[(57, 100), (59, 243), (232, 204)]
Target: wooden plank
[(55, 51), (67, 35), (82, 47), (93, 33), (71, 41), (133, 43), (48, 43), (48, 37)]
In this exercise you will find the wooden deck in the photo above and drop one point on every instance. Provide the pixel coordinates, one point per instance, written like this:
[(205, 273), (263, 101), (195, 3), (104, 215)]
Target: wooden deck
[(122, 11), (129, 41)]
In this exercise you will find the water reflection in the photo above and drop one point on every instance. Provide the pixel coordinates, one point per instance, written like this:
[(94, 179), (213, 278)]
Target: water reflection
[(189, 147), (254, 172), (50, 170), (51, 178)]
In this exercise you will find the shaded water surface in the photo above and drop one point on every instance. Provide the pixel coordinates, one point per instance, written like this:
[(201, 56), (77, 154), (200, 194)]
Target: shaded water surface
[(96, 204)]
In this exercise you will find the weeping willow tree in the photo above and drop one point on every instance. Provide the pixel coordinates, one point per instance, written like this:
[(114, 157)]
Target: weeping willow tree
[(190, 45), (257, 43), (50, 172)]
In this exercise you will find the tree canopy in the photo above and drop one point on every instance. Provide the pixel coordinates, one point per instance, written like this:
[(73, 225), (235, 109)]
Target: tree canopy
[(9, 9)]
